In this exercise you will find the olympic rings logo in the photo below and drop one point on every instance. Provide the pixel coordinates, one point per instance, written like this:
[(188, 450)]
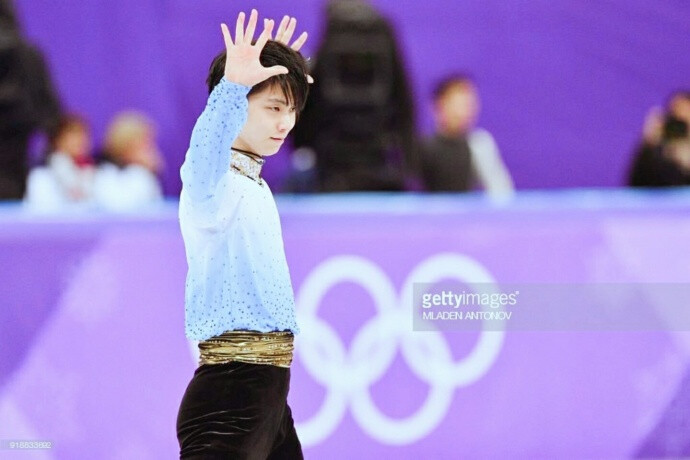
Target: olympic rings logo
[(347, 375)]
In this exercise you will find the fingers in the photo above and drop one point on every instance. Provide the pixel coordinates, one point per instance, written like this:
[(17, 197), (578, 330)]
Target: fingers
[(281, 28), (300, 41), (226, 36), (289, 31), (286, 29), (266, 34), (251, 27), (275, 70), (239, 28)]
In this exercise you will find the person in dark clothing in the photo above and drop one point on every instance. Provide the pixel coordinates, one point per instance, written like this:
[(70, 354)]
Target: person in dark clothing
[(459, 154), (446, 164), (27, 102), (663, 157), (359, 118)]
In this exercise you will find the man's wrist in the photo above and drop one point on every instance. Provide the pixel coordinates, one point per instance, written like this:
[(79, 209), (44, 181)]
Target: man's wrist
[(226, 88), (225, 79)]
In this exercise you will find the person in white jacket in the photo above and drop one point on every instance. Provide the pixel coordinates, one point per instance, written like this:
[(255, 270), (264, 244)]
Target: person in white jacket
[(68, 176)]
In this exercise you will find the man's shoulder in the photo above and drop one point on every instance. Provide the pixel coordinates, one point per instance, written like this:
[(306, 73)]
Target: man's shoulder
[(481, 140), (480, 134)]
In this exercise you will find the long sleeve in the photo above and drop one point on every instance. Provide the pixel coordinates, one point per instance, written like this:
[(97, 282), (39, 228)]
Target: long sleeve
[(238, 277), (488, 165), (205, 171)]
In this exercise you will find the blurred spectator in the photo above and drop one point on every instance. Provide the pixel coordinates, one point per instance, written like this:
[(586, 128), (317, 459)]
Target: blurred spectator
[(131, 162), (458, 155), (663, 157), (27, 102), (69, 174), (359, 115), (130, 140), (70, 161)]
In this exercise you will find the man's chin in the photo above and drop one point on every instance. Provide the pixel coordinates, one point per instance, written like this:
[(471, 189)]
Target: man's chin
[(270, 152)]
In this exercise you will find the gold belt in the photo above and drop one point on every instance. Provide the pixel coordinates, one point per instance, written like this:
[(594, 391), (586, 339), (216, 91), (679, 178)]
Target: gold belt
[(273, 348)]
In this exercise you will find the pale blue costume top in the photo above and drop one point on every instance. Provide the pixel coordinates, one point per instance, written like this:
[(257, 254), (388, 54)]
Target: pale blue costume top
[(238, 276)]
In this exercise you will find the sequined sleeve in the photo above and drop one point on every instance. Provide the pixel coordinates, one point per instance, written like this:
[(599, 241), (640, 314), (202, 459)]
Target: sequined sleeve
[(207, 161)]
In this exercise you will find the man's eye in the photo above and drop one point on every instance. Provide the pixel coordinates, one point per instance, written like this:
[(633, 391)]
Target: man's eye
[(275, 108)]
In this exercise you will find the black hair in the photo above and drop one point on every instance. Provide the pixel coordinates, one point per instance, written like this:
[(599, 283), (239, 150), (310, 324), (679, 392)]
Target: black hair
[(293, 84), (65, 123), (446, 84)]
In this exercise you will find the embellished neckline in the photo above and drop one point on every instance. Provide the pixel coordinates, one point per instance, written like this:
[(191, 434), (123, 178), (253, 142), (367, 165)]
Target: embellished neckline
[(247, 165)]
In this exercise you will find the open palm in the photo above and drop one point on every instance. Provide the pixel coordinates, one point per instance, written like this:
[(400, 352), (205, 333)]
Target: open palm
[(242, 64)]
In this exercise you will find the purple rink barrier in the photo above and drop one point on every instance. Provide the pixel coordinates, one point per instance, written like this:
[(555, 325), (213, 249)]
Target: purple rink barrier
[(93, 358)]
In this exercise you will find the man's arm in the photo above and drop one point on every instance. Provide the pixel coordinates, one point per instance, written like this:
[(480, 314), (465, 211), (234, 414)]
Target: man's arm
[(208, 156), (488, 166), (207, 163)]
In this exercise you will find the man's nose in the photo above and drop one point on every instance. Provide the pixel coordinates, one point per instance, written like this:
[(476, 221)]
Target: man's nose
[(286, 123)]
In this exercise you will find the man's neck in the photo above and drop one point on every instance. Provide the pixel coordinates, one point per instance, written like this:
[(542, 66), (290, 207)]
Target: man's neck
[(246, 165), (249, 153)]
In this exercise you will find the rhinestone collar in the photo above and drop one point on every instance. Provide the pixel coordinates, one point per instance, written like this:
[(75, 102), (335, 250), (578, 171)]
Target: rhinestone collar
[(247, 166)]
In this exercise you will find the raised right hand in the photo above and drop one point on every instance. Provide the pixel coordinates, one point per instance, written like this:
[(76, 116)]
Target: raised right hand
[(242, 63)]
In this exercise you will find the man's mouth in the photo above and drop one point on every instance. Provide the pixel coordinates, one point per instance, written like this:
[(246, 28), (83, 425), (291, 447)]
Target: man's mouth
[(279, 139)]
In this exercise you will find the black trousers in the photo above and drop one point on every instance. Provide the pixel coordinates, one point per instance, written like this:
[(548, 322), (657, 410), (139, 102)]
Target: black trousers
[(237, 411)]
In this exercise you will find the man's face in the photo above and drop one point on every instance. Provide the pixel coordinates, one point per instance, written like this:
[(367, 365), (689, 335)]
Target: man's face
[(75, 141), (680, 107), (457, 109), (269, 121), (144, 151)]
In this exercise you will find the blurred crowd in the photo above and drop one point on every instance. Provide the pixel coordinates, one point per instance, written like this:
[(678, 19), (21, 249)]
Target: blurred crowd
[(122, 174), (357, 132), (663, 156)]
